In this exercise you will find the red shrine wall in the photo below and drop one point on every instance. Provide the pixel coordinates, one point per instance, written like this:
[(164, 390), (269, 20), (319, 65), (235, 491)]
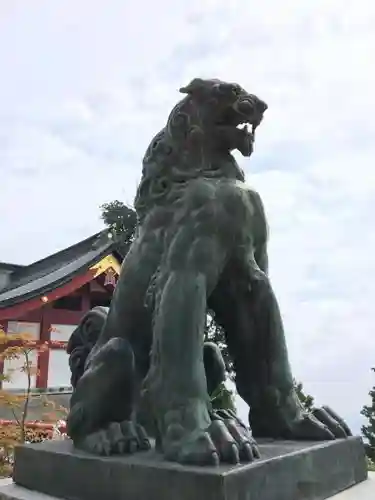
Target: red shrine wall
[(52, 326)]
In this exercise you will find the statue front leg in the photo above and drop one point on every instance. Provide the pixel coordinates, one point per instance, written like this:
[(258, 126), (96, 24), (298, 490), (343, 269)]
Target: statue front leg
[(176, 381)]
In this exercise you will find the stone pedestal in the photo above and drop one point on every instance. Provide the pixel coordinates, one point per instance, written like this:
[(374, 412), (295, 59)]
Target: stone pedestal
[(287, 471)]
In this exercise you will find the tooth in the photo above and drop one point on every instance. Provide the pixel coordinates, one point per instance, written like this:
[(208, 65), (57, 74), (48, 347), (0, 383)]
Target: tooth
[(246, 129)]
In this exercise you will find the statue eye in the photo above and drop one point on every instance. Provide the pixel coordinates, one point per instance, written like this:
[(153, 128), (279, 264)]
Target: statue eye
[(227, 89)]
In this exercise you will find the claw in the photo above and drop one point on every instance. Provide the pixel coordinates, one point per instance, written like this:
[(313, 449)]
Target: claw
[(338, 419), (313, 429), (132, 446), (144, 442), (233, 457), (106, 448), (246, 453), (121, 446), (117, 439), (244, 441), (200, 451), (255, 450), (237, 434), (215, 459), (323, 416), (224, 442)]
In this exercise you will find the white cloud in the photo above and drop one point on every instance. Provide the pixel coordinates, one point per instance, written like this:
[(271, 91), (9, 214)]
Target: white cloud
[(86, 84)]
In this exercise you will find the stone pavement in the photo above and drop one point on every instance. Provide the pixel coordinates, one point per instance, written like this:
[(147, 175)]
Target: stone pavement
[(9, 491), (363, 491)]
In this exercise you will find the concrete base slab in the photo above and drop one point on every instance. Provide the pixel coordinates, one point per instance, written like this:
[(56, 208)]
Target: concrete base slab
[(11, 491), (287, 471)]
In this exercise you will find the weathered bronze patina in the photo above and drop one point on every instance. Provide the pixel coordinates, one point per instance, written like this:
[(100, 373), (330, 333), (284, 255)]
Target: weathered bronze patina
[(201, 243)]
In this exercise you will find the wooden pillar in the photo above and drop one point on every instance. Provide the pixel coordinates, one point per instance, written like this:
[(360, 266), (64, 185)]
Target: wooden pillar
[(3, 326), (85, 298), (43, 356)]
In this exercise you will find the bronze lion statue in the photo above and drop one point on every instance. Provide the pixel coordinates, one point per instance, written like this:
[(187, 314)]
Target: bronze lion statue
[(201, 244)]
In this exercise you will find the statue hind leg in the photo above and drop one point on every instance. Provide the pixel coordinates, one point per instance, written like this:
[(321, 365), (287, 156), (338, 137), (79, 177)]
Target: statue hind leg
[(245, 305), (103, 405), (94, 423)]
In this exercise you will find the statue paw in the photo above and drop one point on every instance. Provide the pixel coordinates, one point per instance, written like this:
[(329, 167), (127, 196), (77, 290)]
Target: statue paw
[(246, 444), (117, 439), (222, 441), (321, 424)]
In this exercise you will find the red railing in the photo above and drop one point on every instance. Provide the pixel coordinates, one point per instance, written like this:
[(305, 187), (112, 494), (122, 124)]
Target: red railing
[(37, 424)]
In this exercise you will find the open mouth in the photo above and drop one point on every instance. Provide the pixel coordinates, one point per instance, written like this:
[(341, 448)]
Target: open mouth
[(240, 121), (245, 138), (238, 129)]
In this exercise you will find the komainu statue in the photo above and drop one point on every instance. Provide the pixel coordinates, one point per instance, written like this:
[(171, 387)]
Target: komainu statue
[(201, 245)]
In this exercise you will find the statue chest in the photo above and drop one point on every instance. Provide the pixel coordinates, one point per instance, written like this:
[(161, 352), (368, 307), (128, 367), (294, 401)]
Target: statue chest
[(223, 207)]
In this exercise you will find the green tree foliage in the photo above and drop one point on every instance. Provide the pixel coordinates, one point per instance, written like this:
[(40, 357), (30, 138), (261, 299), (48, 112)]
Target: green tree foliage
[(368, 430), (214, 333), (122, 220), (306, 400), (222, 397)]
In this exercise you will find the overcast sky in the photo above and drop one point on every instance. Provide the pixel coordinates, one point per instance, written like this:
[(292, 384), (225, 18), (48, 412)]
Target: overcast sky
[(85, 84)]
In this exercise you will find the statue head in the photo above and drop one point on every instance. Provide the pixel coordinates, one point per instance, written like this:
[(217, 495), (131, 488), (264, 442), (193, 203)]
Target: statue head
[(213, 119), (222, 112)]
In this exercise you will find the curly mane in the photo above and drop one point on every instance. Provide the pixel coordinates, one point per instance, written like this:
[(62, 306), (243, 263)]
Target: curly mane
[(177, 155)]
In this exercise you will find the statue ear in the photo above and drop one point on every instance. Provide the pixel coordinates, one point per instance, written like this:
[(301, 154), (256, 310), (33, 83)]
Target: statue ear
[(193, 86)]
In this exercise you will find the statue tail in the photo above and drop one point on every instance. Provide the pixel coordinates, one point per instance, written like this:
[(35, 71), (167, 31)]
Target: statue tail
[(83, 339)]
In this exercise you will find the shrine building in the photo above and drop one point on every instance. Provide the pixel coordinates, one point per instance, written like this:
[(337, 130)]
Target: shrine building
[(48, 298)]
